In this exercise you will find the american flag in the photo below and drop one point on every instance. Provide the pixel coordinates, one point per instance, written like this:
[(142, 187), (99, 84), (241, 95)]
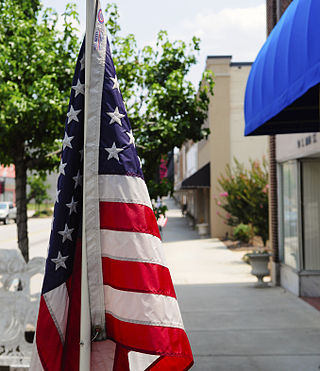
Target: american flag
[(132, 300)]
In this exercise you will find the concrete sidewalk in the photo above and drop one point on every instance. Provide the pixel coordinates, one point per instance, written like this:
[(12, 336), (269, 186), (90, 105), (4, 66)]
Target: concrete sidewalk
[(232, 325)]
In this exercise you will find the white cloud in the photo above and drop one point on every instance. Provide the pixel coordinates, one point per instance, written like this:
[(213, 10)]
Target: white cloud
[(239, 32), (244, 18)]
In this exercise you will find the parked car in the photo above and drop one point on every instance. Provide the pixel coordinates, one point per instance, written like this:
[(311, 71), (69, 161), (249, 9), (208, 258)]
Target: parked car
[(7, 212)]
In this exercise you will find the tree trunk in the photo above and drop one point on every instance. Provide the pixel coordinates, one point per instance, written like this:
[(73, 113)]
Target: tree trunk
[(21, 202)]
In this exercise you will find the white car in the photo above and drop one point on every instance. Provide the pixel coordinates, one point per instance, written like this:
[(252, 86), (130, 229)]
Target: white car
[(7, 212)]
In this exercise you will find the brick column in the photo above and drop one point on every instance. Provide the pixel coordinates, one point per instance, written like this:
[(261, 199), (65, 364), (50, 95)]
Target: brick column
[(275, 8)]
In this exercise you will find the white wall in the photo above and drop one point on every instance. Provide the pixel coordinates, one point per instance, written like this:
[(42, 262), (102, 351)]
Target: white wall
[(192, 160), (292, 146)]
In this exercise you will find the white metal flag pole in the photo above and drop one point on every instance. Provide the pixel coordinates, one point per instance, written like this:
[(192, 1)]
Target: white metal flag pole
[(85, 322)]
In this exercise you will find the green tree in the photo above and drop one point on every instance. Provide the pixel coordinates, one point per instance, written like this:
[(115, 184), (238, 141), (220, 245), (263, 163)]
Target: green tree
[(37, 62), (244, 196), (164, 108), (38, 189)]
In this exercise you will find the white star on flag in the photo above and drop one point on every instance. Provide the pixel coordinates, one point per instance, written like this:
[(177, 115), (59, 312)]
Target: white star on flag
[(82, 60), (72, 206), (67, 141), (114, 152), (116, 116), (66, 233), (79, 88), (81, 155), (61, 168), (131, 137), (77, 179), (59, 261), (140, 163), (73, 114), (115, 83), (57, 195)]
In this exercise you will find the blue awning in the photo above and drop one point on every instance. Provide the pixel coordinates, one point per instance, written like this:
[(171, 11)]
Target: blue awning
[(282, 94)]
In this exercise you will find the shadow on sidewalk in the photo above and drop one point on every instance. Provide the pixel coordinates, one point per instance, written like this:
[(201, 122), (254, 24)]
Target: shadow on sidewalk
[(234, 326), (177, 229)]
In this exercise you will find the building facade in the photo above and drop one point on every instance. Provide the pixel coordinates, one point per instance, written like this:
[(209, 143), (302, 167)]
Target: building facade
[(8, 187), (7, 183), (199, 165), (298, 161)]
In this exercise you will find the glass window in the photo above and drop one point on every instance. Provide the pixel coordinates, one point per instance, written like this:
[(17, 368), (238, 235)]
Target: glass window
[(290, 214), (311, 214)]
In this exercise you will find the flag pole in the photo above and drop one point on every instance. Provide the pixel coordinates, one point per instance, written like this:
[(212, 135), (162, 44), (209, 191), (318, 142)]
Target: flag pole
[(85, 320)]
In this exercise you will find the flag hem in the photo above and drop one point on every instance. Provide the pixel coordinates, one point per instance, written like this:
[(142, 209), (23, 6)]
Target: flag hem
[(91, 199)]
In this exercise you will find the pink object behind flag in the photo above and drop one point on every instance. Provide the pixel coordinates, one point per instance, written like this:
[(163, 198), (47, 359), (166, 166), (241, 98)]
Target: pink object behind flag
[(162, 221)]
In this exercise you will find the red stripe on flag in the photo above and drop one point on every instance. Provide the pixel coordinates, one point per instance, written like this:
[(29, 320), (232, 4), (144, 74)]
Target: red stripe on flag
[(71, 351), (166, 341), (121, 361), (47, 339), (120, 216), (138, 277), (170, 364)]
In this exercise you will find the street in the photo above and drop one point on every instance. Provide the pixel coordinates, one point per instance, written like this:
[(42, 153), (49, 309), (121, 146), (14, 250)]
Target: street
[(39, 232)]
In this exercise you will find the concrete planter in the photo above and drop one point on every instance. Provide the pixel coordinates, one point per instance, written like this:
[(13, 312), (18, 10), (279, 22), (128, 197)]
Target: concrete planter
[(202, 229), (259, 263)]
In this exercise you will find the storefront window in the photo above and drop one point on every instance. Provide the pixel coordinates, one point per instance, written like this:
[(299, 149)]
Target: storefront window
[(311, 214), (290, 214)]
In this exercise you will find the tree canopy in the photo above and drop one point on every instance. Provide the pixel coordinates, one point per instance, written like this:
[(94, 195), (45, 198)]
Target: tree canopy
[(36, 67), (37, 64)]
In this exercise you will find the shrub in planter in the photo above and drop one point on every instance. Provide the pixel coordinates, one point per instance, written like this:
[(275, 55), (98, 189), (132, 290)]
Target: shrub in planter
[(243, 232), (244, 196), (246, 257)]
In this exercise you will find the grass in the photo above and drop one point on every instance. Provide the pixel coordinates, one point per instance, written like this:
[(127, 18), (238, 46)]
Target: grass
[(43, 213), (40, 207), (42, 210)]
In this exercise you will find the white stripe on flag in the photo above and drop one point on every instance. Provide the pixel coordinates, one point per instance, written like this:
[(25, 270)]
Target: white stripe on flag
[(122, 188), (132, 246), (141, 308), (140, 361), (57, 301)]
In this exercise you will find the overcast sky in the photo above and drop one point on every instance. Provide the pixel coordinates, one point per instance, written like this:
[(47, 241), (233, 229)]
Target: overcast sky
[(228, 27)]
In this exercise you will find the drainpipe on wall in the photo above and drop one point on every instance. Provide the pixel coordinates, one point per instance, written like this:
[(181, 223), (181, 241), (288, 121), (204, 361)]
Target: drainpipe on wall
[(273, 211)]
